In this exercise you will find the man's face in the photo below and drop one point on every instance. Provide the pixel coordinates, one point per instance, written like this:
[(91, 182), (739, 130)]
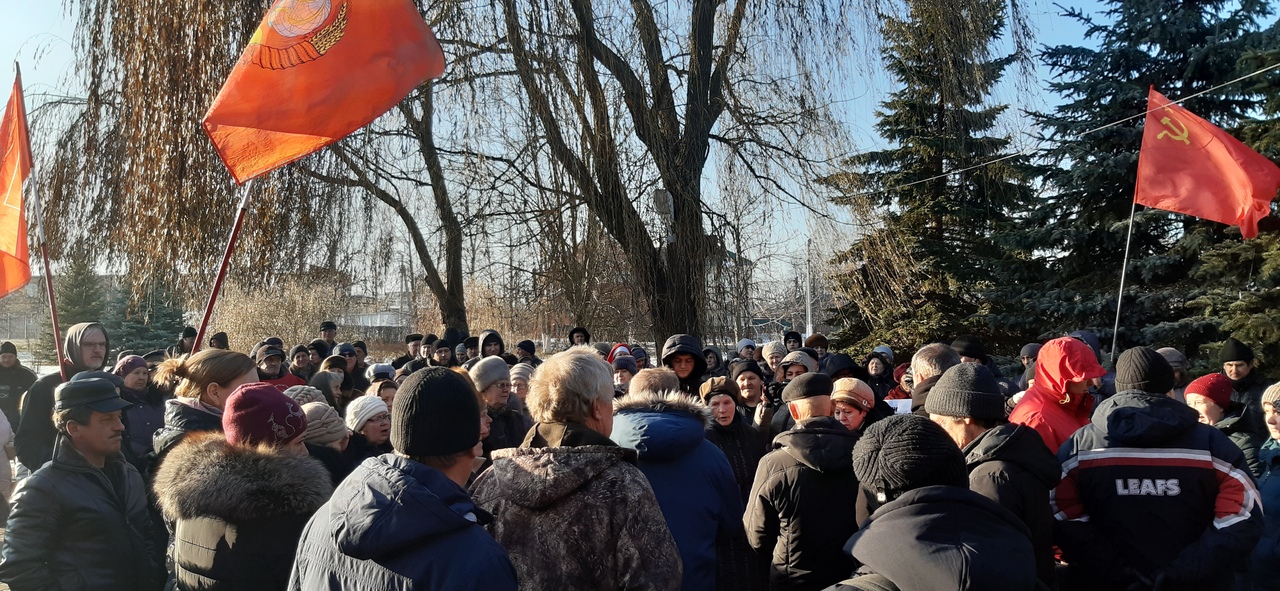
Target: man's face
[(93, 348), (351, 358), (794, 370), (101, 437), (270, 366), (492, 348), (683, 364), (752, 387), (471, 351), (414, 348), (820, 349), (747, 352), (711, 360), (792, 345), (579, 338), (8, 359), (443, 354), (1237, 370), (188, 343), (301, 359), (361, 354), (328, 334), (315, 357)]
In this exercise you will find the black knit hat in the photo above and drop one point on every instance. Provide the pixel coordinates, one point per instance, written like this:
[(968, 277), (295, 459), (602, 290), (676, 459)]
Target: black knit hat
[(188, 332), (435, 413), (807, 385), (1142, 368), (966, 390), (442, 344), (7, 347), (967, 345), (1233, 350), (409, 338), (747, 365), (219, 337), (527, 346), (901, 453)]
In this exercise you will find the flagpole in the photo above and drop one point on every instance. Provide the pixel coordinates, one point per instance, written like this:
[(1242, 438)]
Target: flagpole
[(226, 262), (1124, 268)]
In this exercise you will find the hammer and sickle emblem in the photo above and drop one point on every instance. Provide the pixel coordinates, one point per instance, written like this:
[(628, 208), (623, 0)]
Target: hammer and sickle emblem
[(1179, 135)]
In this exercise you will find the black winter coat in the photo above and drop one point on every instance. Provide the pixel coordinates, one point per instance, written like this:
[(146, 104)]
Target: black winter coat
[(73, 526), (14, 382), (507, 430), (1011, 466), (1248, 393), (801, 507), (180, 418), (743, 445), (34, 437), (945, 537), (1237, 430), (238, 512), (1149, 491)]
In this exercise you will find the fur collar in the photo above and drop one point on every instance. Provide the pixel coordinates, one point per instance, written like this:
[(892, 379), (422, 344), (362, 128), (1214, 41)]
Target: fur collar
[(204, 476), (676, 402)]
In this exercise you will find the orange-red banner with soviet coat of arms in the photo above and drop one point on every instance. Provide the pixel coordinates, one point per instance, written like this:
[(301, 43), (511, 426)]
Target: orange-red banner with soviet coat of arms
[(315, 71), (1189, 166)]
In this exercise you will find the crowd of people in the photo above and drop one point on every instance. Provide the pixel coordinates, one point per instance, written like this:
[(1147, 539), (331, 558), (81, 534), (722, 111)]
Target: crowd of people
[(780, 465)]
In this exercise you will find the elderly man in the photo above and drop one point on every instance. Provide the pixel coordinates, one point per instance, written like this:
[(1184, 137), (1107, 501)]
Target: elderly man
[(801, 509), (84, 349), (412, 350), (82, 519), (547, 495), (927, 367)]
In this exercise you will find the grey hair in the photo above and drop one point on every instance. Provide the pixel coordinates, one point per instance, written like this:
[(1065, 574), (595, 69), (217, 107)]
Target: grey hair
[(932, 361), (568, 385)]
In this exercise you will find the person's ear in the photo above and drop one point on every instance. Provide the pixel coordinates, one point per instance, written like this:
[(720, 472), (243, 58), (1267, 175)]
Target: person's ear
[(211, 392), (794, 410), (73, 429)]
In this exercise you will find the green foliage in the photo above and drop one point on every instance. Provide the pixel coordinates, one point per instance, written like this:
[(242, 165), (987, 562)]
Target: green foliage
[(922, 274), (153, 322), (80, 296)]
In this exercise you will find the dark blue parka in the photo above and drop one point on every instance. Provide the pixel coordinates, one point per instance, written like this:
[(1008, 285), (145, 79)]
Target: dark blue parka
[(690, 476), (1264, 569), (398, 524)]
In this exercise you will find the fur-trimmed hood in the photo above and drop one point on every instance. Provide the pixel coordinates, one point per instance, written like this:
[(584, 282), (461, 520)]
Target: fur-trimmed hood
[(204, 476), (660, 426)]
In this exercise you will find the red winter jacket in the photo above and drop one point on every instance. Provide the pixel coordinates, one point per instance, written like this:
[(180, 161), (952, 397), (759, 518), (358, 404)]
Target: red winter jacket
[(286, 381), (1047, 407)]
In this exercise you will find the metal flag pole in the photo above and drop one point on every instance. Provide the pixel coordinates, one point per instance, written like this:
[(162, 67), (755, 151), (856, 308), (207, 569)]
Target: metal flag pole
[(226, 262), (1124, 268)]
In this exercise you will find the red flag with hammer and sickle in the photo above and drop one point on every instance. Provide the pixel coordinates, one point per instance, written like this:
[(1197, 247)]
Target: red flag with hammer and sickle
[(1189, 166), (315, 71)]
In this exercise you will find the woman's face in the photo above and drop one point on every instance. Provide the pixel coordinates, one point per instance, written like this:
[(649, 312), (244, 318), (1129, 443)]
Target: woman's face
[(485, 422), (1210, 412), (387, 393), (520, 389), (377, 429), (848, 415), (794, 370), (875, 367), (496, 395), (137, 379), (1273, 420), (723, 410)]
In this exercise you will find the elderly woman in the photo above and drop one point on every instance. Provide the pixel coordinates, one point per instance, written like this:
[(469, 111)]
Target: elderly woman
[(569, 504), (851, 401), (1265, 567)]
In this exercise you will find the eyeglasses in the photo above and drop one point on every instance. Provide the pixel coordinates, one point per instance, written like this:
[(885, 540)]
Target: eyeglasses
[(348, 354), (89, 345)]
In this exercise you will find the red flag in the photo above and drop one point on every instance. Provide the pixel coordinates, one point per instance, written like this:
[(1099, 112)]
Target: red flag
[(1189, 166), (315, 71), (15, 167)]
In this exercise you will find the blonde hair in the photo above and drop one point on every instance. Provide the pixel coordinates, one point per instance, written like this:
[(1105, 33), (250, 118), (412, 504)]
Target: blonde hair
[(567, 385), (191, 375)]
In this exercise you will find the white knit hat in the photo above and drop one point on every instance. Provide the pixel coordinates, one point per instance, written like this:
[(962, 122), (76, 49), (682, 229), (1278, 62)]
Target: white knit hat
[(363, 408)]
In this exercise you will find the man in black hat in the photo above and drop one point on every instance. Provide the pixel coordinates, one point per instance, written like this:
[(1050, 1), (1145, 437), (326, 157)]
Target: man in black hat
[(186, 342), (971, 350), (1247, 385), (14, 381), (329, 334), (413, 349), (526, 352), (801, 508), (407, 516), (1151, 496), (1007, 463), (219, 340), (80, 520)]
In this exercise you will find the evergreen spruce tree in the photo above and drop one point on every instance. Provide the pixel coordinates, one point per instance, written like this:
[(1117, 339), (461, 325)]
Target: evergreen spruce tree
[(153, 321), (1078, 228), (922, 274)]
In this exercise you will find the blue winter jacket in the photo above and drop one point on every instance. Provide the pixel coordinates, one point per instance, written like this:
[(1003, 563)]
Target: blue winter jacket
[(1264, 568), (690, 476), (398, 524)]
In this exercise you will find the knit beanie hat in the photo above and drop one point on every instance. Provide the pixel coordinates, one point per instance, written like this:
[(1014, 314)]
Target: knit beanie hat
[(258, 413), (1271, 395), (618, 349), (626, 362), (966, 390), (774, 348), (1233, 350), (853, 391), (126, 365), (363, 408), (527, 346), (7, 347), (1175, 358), (745, 366), (441, 344), (967, 345), (807, 386), (901, 453), (717, 386), (816, 340), (189, 332), (1030, 350), (522, 371), (489, 371), (323, 423), (305, 395), (638, 353), (436, 414), (295, 350), (1215, 386), (744, 343), (1141, 368)]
